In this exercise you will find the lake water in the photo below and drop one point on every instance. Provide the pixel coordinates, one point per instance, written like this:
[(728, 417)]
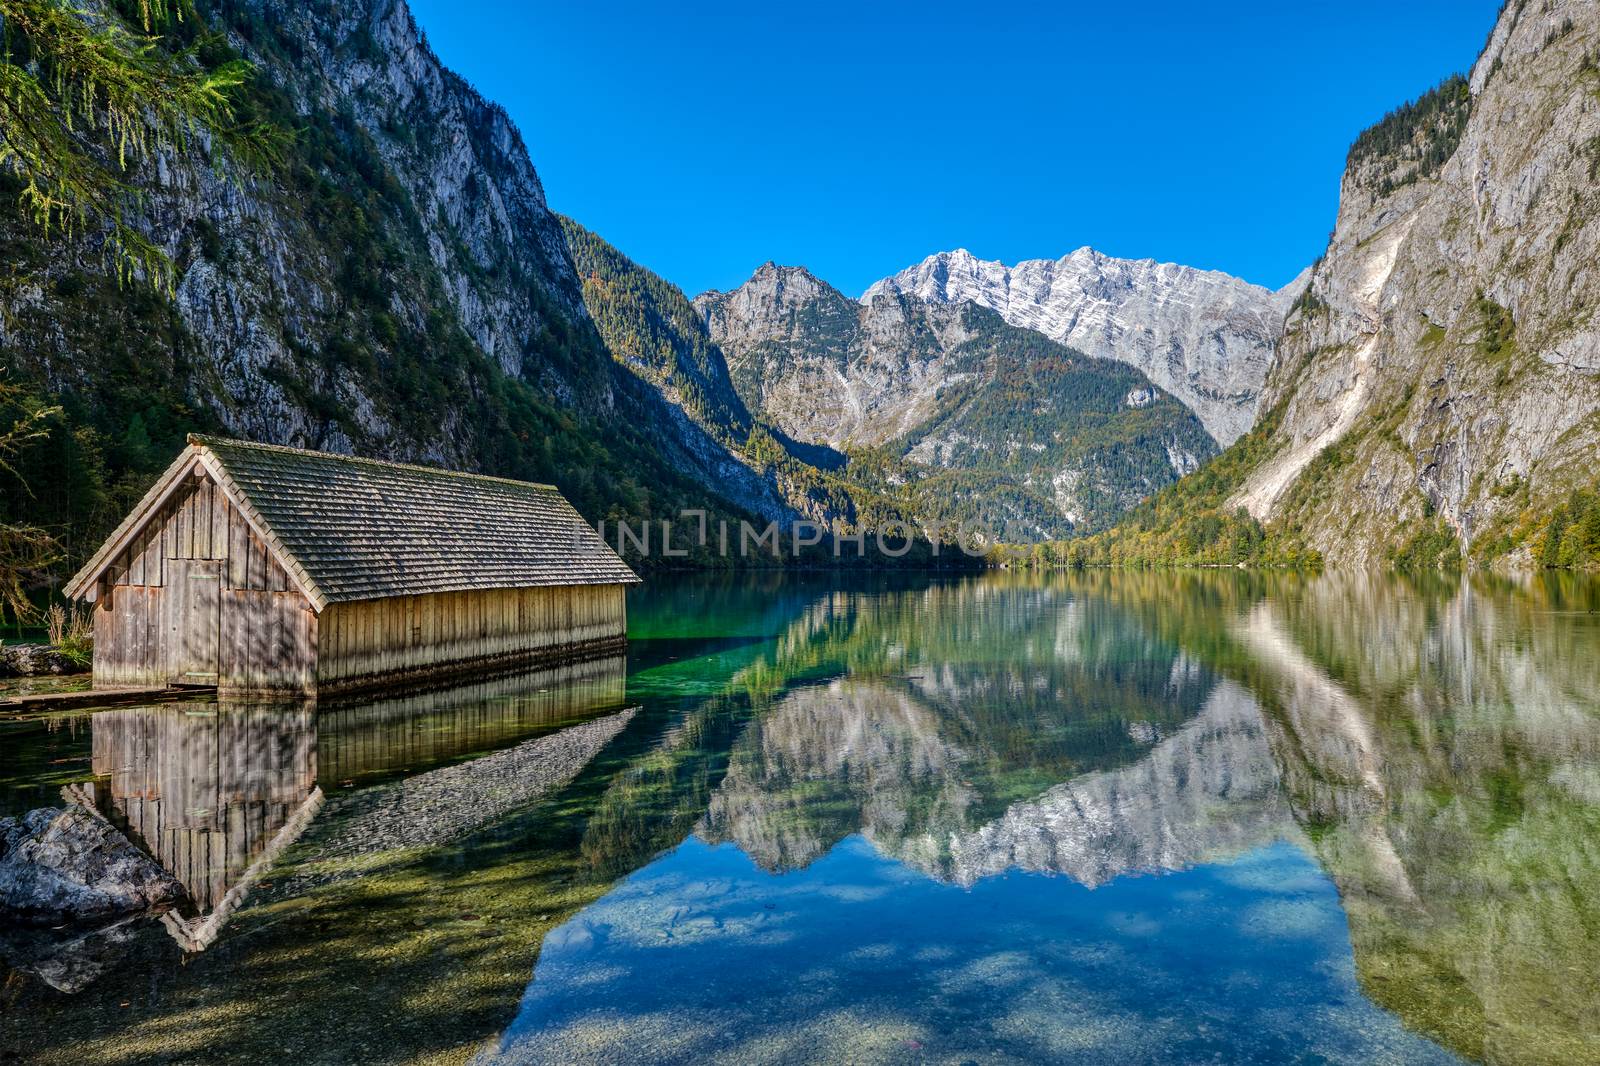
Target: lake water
[(1088, 818)]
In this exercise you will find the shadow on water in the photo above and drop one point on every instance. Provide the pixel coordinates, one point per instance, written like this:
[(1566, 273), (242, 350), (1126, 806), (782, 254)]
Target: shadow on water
[(890, 819)]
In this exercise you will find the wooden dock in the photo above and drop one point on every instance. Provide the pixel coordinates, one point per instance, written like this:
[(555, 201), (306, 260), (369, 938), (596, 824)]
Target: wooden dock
[(45, 702)]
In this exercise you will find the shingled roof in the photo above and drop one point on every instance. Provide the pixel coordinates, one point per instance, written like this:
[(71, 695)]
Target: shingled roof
[(349, 528)]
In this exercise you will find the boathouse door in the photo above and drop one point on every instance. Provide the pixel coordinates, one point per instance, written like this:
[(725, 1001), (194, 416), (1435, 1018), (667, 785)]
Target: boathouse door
[(194, 621)]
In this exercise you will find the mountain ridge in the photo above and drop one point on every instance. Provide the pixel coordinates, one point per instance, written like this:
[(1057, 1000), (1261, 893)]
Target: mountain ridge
[(1202, 335), (398, 288), (1435, 400), (964, 414)]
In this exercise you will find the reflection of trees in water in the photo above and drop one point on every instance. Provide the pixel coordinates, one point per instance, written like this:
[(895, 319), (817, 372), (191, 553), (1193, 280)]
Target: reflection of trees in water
[(655, 801), (1440, 742), (1075, 725), (1461, 812)]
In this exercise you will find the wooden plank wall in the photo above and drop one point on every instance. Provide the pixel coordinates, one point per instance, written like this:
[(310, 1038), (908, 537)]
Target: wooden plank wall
[(373, 637), (268, 636)]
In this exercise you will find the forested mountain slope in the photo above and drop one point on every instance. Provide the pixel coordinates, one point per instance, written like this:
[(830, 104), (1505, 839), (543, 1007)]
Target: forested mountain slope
[(965, 416), (651, 329), (397, 287)]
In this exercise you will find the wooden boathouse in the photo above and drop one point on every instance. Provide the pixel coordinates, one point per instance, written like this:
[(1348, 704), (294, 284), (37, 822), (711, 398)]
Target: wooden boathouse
[(259, 569)]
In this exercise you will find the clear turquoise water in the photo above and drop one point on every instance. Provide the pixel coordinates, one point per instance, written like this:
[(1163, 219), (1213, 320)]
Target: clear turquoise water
[(1096, 818)]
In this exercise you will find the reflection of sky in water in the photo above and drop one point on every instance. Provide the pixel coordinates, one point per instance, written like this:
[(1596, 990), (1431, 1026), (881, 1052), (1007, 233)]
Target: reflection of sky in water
[(701, 956)]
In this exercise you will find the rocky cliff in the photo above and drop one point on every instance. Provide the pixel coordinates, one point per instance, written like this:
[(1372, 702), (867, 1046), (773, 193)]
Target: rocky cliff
[(1438, 384), (652, 331), (1205, 337), (825, 371), (398, 287), (974, 417)]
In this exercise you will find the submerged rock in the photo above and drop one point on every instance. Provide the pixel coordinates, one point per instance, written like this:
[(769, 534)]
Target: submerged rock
[(69, 865), (72, 959)]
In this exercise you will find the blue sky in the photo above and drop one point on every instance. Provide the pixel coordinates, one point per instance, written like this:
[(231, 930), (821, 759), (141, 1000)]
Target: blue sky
[(855, 139)]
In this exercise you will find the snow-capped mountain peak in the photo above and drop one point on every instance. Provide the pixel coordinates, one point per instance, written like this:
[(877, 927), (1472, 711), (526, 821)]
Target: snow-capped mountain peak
[(1205, 336)]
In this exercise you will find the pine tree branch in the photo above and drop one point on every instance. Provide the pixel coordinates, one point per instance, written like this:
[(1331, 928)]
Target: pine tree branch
[(75, 86)]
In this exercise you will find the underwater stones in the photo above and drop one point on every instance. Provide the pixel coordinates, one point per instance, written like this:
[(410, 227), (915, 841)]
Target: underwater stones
[(69, 960)]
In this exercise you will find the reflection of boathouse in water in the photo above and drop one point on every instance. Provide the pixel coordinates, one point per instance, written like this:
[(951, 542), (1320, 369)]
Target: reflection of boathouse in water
[(262, 569), (215, 792)]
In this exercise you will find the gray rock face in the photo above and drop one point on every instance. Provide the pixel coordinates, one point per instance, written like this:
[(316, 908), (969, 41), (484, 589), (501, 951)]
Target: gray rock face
[(824, 369), (486, 230), (68, 865), (1204, 336), (1449, 344), (282, 330), (656, 334)]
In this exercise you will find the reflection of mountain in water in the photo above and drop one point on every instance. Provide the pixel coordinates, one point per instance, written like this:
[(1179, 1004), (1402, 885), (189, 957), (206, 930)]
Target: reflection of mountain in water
[(1438, 748), (1206, 792), (981, 727), (1444, 751), (828, 761)]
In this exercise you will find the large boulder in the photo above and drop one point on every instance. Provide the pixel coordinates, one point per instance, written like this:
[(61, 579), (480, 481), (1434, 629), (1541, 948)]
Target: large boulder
[(70, 865), (36, 660)]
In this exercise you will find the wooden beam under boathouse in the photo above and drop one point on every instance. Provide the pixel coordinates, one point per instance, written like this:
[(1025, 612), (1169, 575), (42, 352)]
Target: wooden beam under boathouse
[(262, 569)]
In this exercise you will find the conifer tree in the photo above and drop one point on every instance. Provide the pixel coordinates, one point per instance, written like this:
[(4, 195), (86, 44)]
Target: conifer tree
[(24, 550), (84, 95)]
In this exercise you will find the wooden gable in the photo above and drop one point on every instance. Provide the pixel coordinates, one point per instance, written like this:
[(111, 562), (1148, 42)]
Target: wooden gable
[(347, 529), (198, 522), (188, 514)]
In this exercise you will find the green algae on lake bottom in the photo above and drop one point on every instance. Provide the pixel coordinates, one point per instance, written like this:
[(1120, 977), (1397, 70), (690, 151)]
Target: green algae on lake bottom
[(901, 819)]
